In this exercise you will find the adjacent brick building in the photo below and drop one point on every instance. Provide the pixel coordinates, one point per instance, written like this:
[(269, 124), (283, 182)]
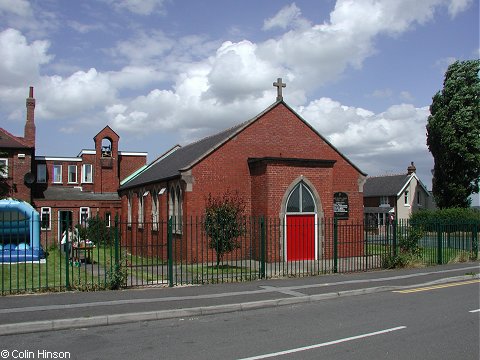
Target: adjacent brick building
[(67, 188)]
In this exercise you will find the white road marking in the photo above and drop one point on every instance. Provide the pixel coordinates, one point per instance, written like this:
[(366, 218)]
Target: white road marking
[(474, 311), (315, 346)]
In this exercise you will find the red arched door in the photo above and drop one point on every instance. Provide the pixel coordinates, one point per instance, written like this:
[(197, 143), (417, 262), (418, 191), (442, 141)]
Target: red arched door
[(301, 224)]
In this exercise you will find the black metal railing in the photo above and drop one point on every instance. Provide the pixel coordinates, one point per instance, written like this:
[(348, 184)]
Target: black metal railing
[(168, 253)]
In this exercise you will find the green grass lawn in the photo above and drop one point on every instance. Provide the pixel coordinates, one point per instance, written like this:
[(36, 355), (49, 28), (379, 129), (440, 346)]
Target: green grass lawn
[(429, 255)]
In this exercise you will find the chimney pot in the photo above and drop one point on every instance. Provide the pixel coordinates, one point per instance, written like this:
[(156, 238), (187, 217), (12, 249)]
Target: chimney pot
[(411, 169)]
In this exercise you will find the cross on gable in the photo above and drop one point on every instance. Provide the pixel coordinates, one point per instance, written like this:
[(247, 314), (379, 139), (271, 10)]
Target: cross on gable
[(279, 85)]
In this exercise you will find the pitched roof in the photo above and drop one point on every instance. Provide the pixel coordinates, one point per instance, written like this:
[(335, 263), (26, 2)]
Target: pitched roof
[(8, 140), (390, 185), (385, 185), (182, 158), (186, 157)]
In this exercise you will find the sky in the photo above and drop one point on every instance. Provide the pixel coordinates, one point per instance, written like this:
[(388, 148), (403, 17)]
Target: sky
[(162, 72)]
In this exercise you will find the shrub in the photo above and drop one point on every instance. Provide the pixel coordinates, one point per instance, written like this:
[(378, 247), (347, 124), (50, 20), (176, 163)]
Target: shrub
[(98, 232), (223, 222)]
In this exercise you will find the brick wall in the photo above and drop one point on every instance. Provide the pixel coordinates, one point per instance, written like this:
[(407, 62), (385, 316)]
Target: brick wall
[(17, 168)]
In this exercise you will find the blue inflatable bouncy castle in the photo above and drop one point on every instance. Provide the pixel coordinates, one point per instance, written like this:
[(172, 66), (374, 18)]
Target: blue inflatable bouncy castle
[(19, 232)]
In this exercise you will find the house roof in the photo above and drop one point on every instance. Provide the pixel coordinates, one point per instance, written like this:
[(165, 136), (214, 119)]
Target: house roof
[(385, 185), (390, 185), (67, 193), (184, 158), (8, 140)]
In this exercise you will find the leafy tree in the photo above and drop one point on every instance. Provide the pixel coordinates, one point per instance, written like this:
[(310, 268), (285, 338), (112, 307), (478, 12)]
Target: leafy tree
[(453, 135), (223, 222), (98, 232)]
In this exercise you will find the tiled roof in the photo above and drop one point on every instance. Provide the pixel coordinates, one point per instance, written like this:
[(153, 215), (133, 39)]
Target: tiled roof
[(384, 185), (8, 140)]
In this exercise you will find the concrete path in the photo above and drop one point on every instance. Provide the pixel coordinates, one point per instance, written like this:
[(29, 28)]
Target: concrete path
[(54, 311)]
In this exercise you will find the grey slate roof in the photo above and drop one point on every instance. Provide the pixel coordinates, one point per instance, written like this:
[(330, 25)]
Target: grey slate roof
[(170, 166), (186, 157), (384, 185), (65, 193)]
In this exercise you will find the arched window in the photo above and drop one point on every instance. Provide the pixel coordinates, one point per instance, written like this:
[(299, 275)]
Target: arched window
[(301, 200), (155, 209), (179, 209), (175, 207), (129, 209), (106, 148), (171, 203), (141, 195)]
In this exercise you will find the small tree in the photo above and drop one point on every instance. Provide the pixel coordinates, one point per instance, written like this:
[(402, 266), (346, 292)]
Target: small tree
[(453, 135), (224, 223), (98, 232)]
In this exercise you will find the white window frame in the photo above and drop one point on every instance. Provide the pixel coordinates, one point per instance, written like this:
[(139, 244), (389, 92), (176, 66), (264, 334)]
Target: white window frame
[(384, 201), (406, 198), (85, 179), (75, 172), (84, 211), (4, 174), (57, 174), (108, 219), (41, 170), (46, 211)]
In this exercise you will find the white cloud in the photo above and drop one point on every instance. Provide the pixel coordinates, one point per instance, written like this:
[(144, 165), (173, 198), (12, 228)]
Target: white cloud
[(377, 143), (144, 48), (381, 94), (140, 7), (16, 7), (84, 28), (289, 16), (406, 96), (457, 6), (75, 95), (20, 61), (238, 73), (136, 77)]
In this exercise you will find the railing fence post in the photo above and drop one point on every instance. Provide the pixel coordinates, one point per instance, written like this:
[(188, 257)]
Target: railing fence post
[(67, 254), (335, 245), (116, 241), (439, 244), (262, 248), (475, 241), (394, 236), (170, 251)]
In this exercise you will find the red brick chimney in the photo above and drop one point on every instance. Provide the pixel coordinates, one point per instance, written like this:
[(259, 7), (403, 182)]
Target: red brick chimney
[(29, 133)]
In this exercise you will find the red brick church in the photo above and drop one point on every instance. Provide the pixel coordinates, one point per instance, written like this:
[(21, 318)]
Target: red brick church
[(278, 164)]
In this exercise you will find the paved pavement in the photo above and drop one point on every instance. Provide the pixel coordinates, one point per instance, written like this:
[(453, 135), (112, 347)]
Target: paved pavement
[(55, 311)]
